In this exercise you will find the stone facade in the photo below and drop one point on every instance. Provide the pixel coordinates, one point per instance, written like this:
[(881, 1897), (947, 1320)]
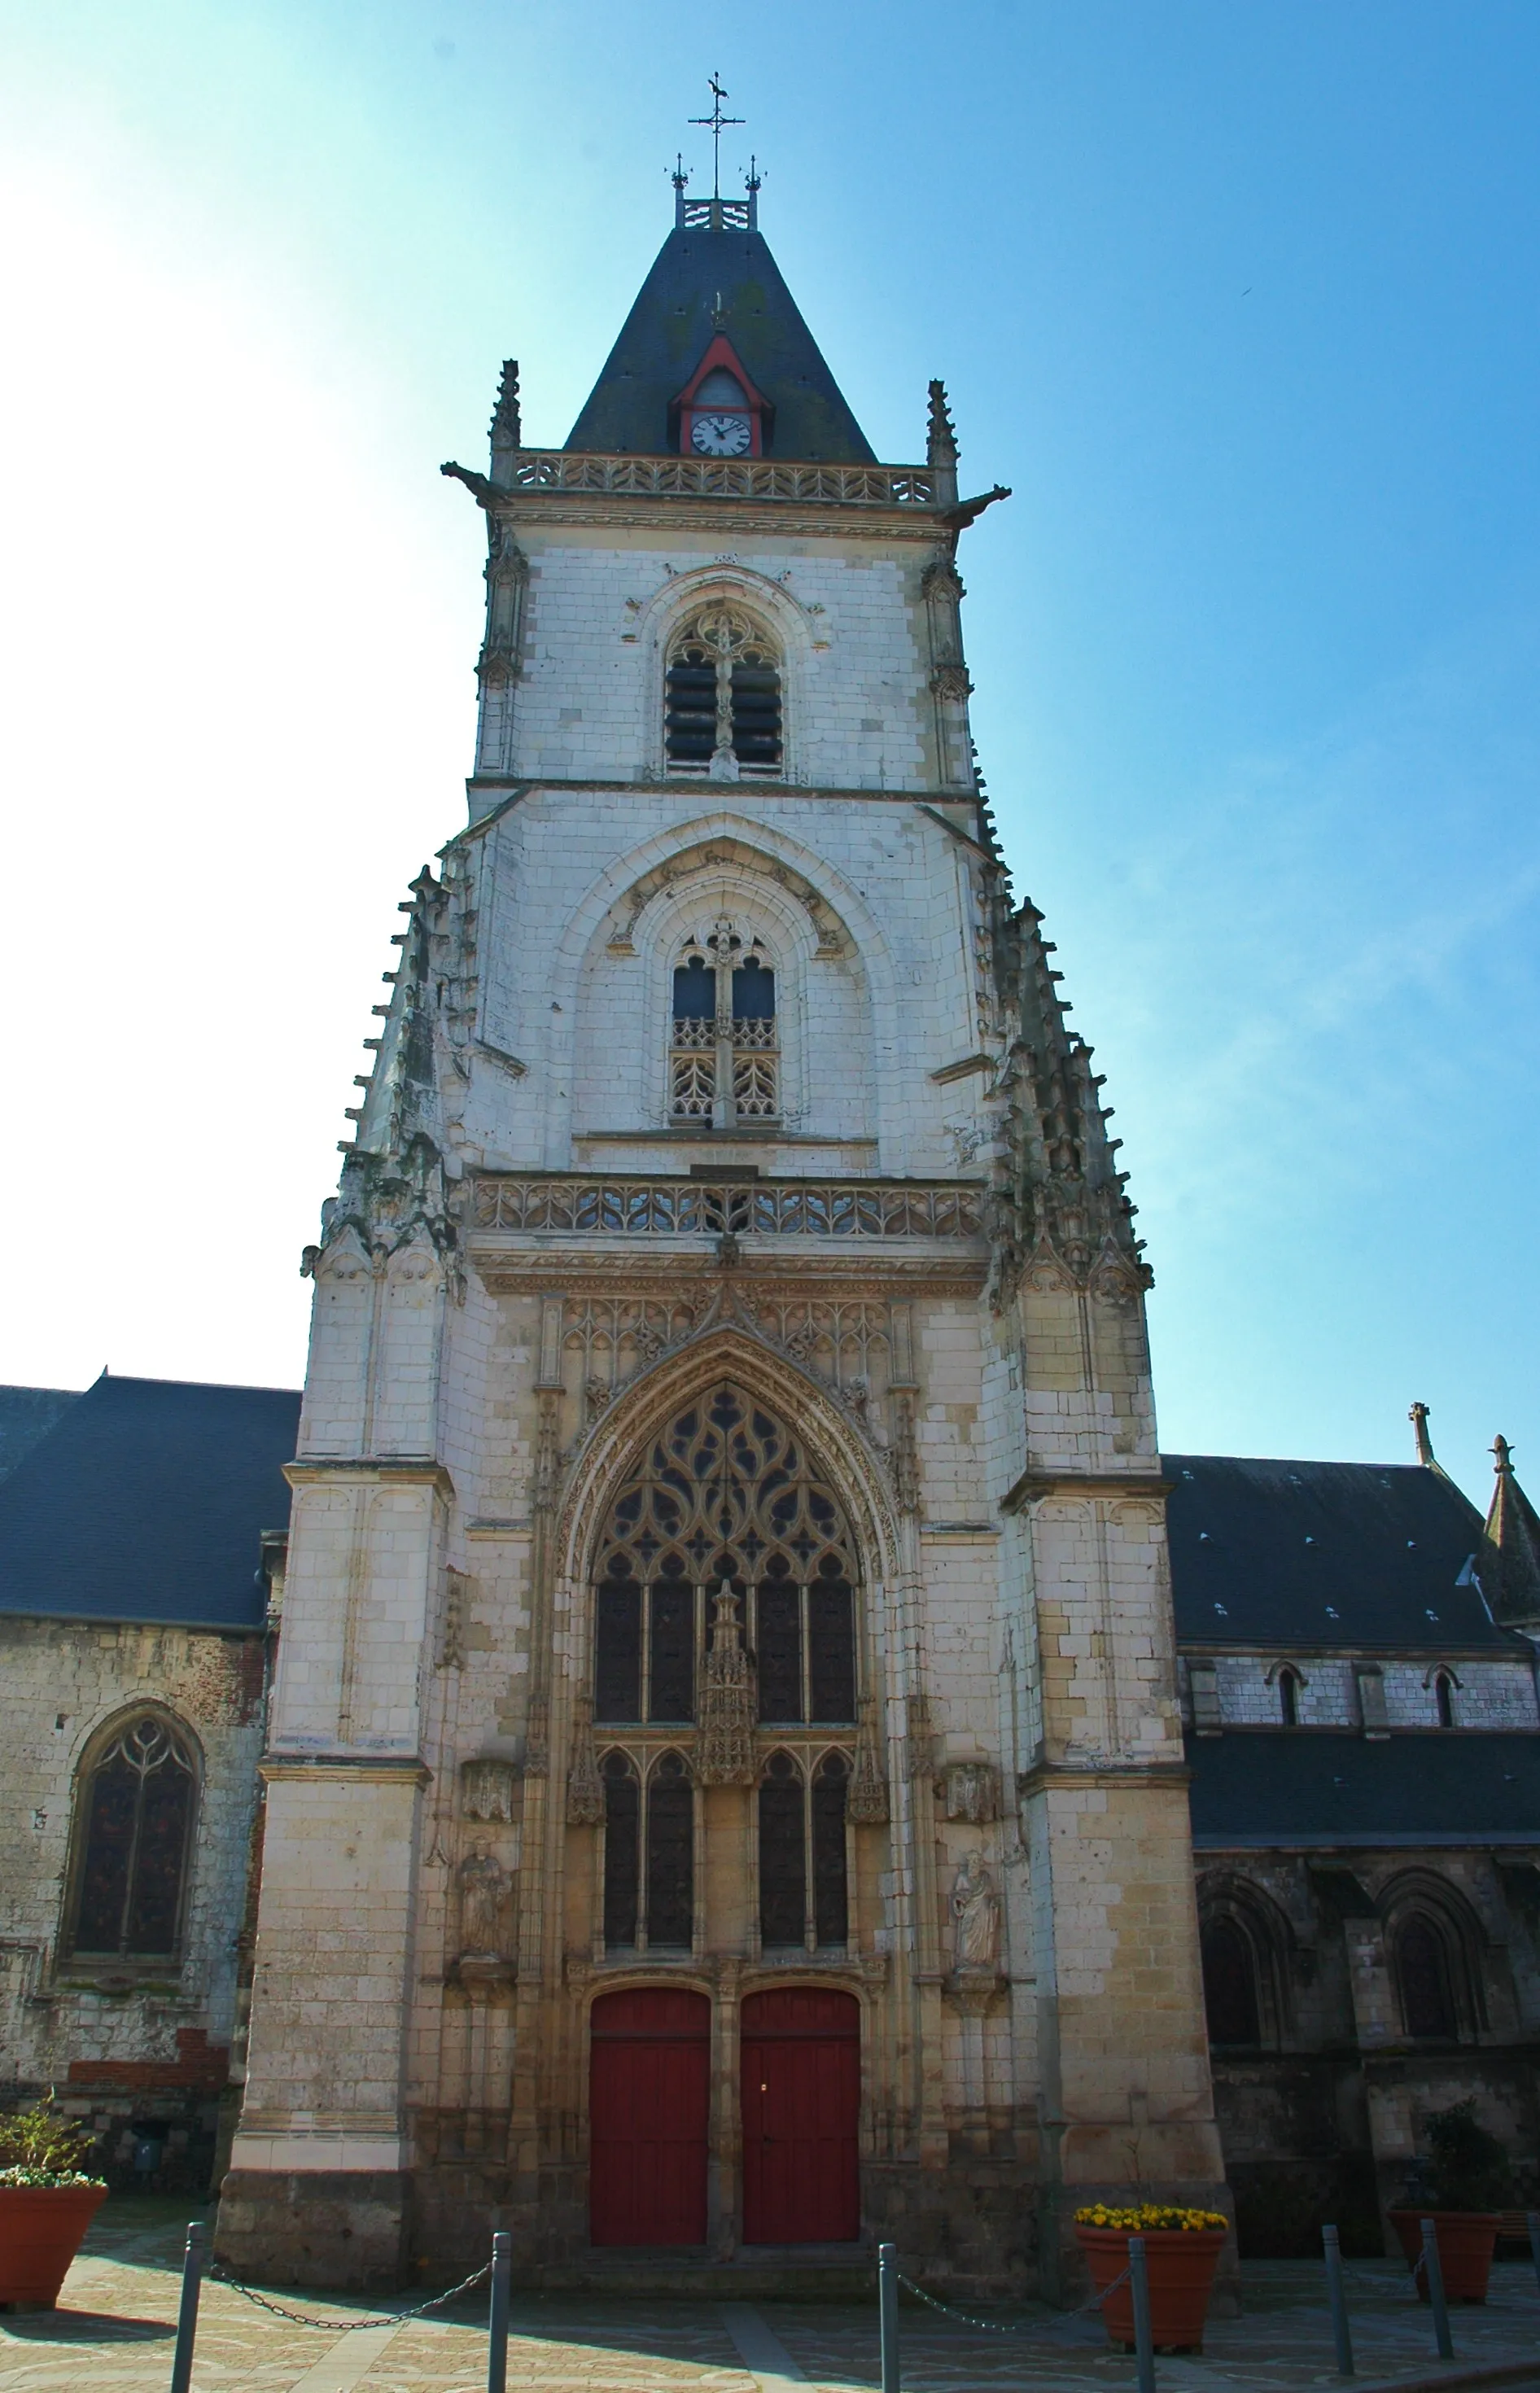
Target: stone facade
[(913, 1258)]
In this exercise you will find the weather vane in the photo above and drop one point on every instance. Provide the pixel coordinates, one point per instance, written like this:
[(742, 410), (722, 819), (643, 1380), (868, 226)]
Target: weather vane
[(716, 120)]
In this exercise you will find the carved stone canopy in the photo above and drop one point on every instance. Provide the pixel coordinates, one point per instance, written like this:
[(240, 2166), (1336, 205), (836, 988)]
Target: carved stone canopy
[(969, 1790), (487, 1790)]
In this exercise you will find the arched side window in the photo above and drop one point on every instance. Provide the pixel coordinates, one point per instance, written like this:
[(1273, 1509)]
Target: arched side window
[(649, 1854), (1425, 1978), (723, 696), (1289, 1683), (1230, 1983), (134, 1824), (804, 1898), (1246, 1945), (726, 1492), (723, 1046), (1443, 1697)]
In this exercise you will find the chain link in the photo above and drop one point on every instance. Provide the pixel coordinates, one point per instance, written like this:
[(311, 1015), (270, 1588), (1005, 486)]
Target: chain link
[(220, 2276), (993, 2326)]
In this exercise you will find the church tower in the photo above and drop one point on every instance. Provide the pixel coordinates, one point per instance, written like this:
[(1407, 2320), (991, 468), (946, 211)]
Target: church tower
[(724, 1792)]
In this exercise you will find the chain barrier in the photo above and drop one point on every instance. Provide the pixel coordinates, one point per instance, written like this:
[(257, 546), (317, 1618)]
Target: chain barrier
[(220, 2276), (993, 2326)]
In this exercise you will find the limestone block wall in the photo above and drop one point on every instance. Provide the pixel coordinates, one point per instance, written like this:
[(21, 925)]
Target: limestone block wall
[(880, 983), (160, 2043), (847, 615)]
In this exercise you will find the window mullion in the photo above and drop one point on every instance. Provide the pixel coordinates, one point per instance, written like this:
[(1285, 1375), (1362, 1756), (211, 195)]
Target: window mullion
[(726, 1110), (810, 1891), (804, 1606), (642, 1856), (132, 1871), (646, 1650)]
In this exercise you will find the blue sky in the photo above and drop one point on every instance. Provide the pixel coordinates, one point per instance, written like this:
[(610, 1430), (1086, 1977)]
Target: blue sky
[(1240, 301)]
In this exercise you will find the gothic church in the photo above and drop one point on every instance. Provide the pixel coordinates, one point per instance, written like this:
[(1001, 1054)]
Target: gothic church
[(725, 1788)]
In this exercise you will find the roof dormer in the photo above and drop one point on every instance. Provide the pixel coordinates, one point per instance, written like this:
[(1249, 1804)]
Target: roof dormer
[(719, 412)]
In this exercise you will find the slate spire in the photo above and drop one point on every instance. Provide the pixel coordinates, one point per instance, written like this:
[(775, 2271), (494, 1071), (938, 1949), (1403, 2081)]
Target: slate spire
[(716, 274), (1511, 1549)]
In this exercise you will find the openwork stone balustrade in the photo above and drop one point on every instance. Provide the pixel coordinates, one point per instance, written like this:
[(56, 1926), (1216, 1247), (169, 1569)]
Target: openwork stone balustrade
[(713, 477), (778, 1208)]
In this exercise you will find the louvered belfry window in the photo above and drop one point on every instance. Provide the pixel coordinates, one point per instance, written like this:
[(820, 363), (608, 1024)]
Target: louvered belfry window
[(723, 696), (725, 1048)]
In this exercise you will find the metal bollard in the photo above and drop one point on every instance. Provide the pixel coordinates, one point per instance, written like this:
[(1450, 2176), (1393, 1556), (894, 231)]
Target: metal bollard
[(497, 2322), (1143, 2341), (1341, 2334), (1532, 2220), (194, 2262), (887, 2313), (1434, 2268)]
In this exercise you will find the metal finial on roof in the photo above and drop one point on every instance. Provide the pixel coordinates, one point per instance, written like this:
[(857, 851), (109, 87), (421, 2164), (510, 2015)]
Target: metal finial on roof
[(716, 120), (1418, 1418)]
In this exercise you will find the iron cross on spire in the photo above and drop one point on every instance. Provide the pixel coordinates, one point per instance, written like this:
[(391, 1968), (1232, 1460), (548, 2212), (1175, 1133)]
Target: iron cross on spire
[(716, 120)]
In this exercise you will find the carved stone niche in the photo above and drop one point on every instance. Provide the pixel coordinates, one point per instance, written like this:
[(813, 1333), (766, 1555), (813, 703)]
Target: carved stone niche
[(487, 1790), (969, 1790)]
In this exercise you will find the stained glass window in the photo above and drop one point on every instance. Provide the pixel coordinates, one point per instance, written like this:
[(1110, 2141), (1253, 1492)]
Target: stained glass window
[(782, 1860), (137, 1806), (622, 1822), (828, 1848), (670, 1854), (726, 1492), (830, 1646)]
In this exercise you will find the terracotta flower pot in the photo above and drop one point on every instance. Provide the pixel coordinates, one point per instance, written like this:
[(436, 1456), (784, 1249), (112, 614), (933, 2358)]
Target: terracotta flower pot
[(42, 2228), (1180, 2262), (1467, 2239)]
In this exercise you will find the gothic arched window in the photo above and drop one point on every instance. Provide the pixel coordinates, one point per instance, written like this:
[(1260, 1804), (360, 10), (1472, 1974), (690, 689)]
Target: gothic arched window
[(782, 1853), (1230, 1983), (1443, 1697), (724, 1045), (649, 1853), (723, 695), (670, 1853), (134, 1831), (726, 1492), (1289, 1683), (1426, 1979), (622, 1850), (802, 1852)]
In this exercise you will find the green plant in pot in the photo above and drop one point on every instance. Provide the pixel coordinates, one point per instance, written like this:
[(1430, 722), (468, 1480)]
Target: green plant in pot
[(47, 2199), (1462, 2185)]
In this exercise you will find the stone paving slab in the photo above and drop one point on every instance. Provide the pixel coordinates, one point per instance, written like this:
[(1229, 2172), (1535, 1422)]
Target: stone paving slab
[(114, 2330)]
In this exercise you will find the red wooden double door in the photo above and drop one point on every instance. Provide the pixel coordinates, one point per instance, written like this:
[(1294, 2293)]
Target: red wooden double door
[(649, 2112)]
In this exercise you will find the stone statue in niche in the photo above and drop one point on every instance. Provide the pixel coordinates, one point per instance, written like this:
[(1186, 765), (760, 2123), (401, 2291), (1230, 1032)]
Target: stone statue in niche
[(487, 1790), (483, 1887), (975, 1909)]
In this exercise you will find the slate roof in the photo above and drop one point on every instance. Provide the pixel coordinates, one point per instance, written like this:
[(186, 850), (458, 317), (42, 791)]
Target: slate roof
[(26, 1415), (669, 329), (1324, 1786), (1319, 1554), (147, 1500)]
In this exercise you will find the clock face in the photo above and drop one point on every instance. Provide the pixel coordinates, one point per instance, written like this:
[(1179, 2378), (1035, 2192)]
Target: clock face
[(720, 435)]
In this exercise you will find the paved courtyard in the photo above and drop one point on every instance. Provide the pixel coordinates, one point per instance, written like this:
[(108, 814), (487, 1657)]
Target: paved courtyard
[(113, 2334)]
